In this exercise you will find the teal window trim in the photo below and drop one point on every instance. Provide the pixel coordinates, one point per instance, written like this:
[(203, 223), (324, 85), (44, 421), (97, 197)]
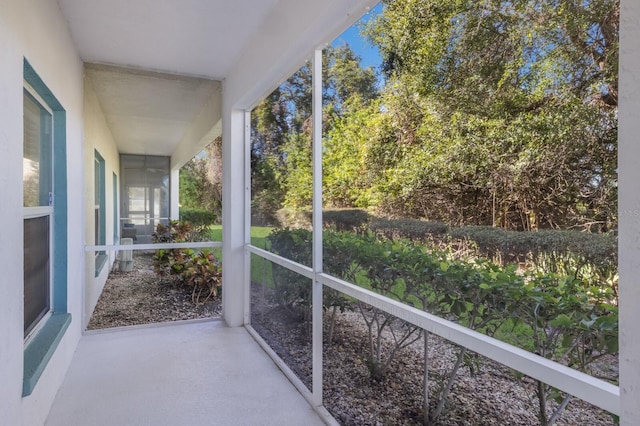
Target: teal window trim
[(43, 345), (41, 348), (101, 202), (116, 221)]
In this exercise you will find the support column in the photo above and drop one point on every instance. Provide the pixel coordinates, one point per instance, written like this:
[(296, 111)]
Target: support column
[(629, 211), (233, 215), (174, 208)]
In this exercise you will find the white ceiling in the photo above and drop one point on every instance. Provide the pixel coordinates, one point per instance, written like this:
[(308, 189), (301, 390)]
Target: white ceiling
[(177, 40), (149, 112), (201, 38), (138, 49)]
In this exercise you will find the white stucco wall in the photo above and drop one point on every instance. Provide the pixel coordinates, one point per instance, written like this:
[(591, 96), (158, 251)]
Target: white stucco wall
[(97, 136), (37, 31), (629, 211)]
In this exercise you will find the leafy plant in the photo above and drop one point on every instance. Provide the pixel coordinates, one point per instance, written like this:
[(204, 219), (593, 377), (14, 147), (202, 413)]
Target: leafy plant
[(198, 270), (570, 324)]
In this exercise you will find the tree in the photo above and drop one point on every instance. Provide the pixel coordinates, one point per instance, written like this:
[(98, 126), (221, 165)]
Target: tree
[(201, 181), (281, 129), (504, 112)]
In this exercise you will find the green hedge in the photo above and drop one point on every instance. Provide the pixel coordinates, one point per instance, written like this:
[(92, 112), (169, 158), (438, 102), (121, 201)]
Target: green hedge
[(520, 246), (346, 219), (499, 244), (339, 219), (412, 229), (198, 217)]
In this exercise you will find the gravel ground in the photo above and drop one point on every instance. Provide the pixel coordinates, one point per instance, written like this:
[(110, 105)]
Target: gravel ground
[(141, 297), (490, 395)]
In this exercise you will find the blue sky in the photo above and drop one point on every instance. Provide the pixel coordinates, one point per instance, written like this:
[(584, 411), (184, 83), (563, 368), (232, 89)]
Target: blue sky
[(369, 54)]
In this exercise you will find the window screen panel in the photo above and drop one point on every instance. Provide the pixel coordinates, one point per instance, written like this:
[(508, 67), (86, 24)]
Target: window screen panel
[(37, 276), (36, 158)]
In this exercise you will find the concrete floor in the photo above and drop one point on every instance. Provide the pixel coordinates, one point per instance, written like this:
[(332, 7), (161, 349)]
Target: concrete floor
[(190, 373)]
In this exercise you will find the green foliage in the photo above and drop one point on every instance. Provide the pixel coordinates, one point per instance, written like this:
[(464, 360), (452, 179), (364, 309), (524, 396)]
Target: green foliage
[(498, 113), (570, 322), (297, 180), (345, 219), (290, 289), (198, 217), (294, 218), (346, 178), (281, 130), (338, 219), (513, 246), (412, 229), (568, 314), (198, 271), (201, 181), (488, 114)]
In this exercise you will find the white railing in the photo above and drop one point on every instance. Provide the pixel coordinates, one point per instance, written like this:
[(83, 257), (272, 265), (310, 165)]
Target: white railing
[(154, 246), (588, 388)]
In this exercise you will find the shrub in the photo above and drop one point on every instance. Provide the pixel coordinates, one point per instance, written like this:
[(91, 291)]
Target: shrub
[(198, 217), (345, 219), (562, 315), (294, 218), (521, 246), (338, 219), (412, 229), (198, 270), (290, 289)]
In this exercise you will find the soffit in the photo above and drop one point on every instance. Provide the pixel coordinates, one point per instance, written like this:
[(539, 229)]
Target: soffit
[(201, 38), (153, 63), (148, 112), (251, 44)]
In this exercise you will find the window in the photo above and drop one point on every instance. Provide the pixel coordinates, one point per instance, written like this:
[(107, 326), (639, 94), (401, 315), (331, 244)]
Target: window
[(116, 227), (37, 181), (100, 210), (45, 226), (145, 190)]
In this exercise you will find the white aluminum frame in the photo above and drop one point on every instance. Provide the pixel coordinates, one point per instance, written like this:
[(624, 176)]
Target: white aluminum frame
[(576, 383), (154, 246), (316, 301)]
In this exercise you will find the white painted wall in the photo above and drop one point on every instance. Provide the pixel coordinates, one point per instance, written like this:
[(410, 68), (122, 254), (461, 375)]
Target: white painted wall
[(36, 30), (97, 136), (629, 211)]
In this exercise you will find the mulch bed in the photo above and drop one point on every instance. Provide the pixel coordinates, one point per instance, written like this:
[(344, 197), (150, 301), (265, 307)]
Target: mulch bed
[(142, 297)]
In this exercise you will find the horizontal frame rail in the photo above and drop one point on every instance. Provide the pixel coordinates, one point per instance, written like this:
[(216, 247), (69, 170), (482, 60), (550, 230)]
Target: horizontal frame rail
[(156, 246), (581, 385), (295, 267)]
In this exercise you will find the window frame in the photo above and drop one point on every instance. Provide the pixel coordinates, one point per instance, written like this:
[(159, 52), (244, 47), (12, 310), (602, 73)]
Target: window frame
[(42, 211), (44, 343), (100, 209)]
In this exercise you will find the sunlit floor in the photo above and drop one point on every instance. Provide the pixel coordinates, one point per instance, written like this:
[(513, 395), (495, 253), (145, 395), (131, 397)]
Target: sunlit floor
[(190, 373)]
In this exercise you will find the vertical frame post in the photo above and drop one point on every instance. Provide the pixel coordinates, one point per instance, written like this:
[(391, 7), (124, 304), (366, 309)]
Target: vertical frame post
[(247, 216), (233, 221), (317, 225), (629, 211)]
